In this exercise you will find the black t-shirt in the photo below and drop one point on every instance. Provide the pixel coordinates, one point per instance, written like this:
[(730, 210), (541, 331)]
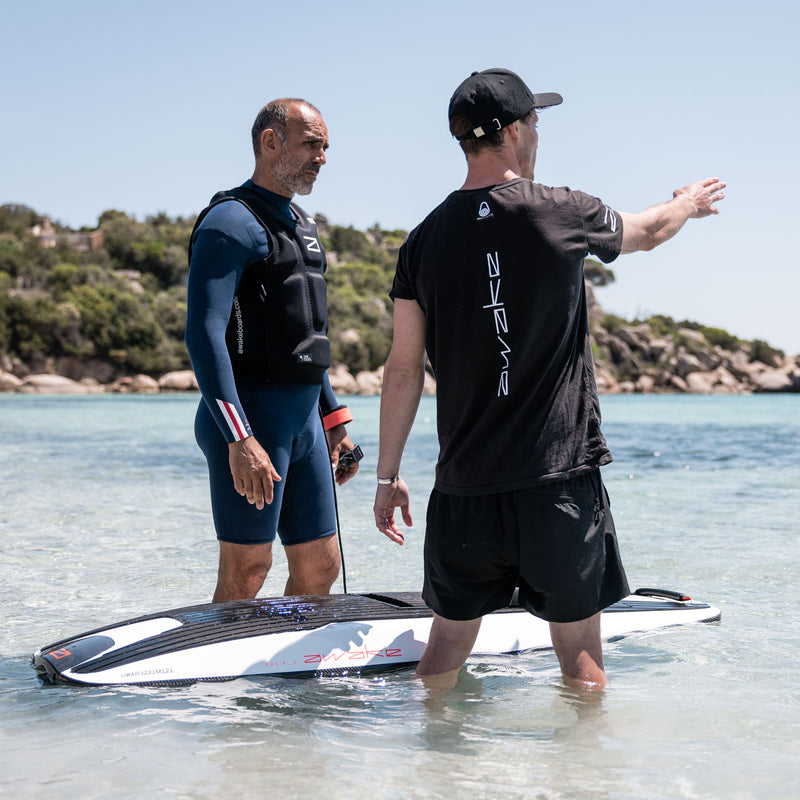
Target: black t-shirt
[(498, 272)]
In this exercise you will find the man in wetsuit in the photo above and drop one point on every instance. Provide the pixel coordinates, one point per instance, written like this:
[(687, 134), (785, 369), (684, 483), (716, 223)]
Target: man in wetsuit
[(256, 335), (491, 285)]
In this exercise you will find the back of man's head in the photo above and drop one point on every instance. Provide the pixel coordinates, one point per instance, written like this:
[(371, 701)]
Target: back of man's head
[(488, 101)]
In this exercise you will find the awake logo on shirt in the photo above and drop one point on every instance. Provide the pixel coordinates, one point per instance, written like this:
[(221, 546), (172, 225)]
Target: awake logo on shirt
[(498, 309), (484, 210), (610, 219)]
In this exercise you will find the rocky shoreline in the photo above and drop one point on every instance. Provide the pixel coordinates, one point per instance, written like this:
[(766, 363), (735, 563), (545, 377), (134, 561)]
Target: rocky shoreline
[(644, 363), (649, 366), (628, 359), (632, 358), (53, 383)]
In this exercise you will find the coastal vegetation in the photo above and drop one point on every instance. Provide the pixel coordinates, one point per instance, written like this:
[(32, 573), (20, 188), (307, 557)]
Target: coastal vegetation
[(109, 302), (115, 297)]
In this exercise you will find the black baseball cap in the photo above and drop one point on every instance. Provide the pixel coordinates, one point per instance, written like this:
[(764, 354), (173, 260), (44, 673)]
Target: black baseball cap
[(494, 98)]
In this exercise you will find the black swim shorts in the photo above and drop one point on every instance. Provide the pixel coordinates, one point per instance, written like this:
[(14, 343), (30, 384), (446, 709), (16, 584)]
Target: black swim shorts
[(556, 541)]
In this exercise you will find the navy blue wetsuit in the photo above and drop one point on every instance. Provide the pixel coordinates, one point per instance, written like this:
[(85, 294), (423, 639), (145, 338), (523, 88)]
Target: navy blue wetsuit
[(283, 417)]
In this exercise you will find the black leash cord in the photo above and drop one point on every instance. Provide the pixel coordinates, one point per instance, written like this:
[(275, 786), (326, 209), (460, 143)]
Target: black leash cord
[(339, 530), (336, 510)]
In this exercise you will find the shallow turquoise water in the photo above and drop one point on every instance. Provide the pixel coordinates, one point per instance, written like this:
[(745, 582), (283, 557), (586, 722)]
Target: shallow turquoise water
[(104, 515)]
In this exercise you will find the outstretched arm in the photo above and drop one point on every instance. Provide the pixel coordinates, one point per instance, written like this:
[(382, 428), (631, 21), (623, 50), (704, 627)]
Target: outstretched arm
[(657, 224), (402, 387)]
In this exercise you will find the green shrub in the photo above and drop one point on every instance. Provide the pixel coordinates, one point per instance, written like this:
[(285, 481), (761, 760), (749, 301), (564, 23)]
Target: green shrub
[(612, 323), (765, 353), (720, 338), (358, 303), (663, 327), (596, 273)]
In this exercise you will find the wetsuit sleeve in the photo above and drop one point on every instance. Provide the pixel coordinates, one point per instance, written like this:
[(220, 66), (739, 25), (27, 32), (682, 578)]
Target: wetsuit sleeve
[(216, 267), (332, 413)]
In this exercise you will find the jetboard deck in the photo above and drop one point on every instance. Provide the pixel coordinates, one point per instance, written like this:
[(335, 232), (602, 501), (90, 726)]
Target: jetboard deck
[(313, 635)]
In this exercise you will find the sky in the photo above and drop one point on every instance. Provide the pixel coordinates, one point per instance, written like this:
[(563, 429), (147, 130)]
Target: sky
[(146, 107)]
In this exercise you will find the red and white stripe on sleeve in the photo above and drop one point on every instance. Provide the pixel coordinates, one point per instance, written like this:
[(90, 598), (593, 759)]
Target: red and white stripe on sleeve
[(238, 428)]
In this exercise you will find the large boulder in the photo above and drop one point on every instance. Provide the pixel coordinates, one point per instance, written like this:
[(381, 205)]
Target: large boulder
[(738, 364), (9, 382), (52, 384), (726, 383), (626, 362), (143, 384), (695, 339), (645, 384), (182, 380), (638, 338), (773, 380), (369, 383), (678, 384), (606, 382), (686, 363), (700, 382), (342, 382)]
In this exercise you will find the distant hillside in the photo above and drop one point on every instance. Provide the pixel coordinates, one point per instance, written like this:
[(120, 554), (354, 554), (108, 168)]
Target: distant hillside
[(106, 304), (112, 301)]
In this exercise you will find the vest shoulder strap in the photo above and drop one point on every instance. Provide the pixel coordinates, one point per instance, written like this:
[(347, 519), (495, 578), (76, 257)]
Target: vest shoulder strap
[(250, 202)]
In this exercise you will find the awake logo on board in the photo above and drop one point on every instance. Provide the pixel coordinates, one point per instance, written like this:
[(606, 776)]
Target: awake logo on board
[(352, 655)]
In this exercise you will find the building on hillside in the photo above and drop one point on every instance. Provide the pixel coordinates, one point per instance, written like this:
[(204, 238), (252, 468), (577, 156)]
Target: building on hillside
[(45, 233), (48, 236)]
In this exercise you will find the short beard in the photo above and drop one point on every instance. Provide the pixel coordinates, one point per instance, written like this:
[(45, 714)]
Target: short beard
[(302, 188), (291, 180)]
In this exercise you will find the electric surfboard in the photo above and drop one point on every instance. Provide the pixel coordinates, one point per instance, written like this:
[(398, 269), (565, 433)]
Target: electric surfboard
[(345, 634)]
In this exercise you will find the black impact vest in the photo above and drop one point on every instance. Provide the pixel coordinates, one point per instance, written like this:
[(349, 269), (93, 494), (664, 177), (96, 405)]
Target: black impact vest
[(279, 320)]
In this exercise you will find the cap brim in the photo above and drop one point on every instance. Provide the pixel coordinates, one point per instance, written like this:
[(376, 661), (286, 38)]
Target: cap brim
[(547, 99)]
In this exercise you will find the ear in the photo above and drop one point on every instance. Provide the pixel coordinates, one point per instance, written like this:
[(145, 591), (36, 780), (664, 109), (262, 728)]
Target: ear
[(513, 130), (270, 142)]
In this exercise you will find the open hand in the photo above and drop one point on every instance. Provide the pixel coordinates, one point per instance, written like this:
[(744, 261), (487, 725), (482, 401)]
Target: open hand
[(703, 194)]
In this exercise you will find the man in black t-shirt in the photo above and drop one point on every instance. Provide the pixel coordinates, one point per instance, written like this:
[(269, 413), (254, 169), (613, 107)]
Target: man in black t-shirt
[(491, 286)]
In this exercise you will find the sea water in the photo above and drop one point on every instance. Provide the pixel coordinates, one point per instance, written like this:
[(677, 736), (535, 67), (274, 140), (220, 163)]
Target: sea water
[(104, 515)]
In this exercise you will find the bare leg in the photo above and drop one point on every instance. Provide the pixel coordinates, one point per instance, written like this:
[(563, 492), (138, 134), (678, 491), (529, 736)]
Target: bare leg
[(580, 652), (242, 570), (449, 645), (313, 566)]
